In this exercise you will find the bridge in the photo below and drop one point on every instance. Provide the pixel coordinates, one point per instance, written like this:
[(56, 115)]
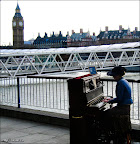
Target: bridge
[(14, 62)]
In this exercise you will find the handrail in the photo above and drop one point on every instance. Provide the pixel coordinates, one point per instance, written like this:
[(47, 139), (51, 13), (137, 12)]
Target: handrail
[(62, 77), (47, 77), (129, 80)]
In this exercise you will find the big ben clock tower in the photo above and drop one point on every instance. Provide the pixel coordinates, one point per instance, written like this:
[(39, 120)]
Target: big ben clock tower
[(18, 29)]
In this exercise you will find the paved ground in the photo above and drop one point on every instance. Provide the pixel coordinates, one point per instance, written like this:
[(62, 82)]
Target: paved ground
[(16, 131)]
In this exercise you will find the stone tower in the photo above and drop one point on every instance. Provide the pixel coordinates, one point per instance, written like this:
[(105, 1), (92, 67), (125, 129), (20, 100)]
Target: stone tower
[(18, 29)]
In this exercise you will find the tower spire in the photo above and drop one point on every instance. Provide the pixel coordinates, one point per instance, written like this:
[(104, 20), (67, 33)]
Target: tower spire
[(17, 8), (18, 28)]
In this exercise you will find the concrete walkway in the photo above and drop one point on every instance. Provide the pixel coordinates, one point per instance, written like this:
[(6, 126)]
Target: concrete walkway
[(17, 131)]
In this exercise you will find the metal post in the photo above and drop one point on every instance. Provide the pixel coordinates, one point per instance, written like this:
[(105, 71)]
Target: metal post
[(18, 92)]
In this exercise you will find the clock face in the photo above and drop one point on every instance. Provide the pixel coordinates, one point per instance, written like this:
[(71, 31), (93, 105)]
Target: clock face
[(14, 23), (20, 23)]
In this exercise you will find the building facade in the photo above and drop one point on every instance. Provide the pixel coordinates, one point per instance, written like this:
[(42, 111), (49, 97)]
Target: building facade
[(54, 41), (81, 39), (18, 29), (118, 36)]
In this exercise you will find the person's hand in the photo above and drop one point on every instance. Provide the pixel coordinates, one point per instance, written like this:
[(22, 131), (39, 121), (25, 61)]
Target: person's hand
[(107, 100)]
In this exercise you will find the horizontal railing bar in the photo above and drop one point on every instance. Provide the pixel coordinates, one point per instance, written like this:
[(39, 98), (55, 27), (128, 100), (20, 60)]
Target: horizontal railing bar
[(47, 77), (111, 80), (67, 52)]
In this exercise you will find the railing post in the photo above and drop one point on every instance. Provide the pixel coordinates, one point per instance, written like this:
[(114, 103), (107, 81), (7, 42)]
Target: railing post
[(18, 92)]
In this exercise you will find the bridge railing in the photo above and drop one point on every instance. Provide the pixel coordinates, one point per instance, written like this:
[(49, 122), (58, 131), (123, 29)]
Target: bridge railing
[(51, 93)]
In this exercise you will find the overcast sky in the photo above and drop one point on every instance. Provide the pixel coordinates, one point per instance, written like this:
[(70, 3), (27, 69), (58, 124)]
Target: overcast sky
[(48, 16)]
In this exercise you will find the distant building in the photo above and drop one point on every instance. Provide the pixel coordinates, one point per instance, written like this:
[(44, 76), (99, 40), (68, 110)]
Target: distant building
[(29, 42), (81, 39), (18, 29), (85, 39), (56, 41), (136, 33), (118, 36)]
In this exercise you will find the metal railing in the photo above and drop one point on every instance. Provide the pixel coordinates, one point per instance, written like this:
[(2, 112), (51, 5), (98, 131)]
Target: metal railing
[(51, 93)]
